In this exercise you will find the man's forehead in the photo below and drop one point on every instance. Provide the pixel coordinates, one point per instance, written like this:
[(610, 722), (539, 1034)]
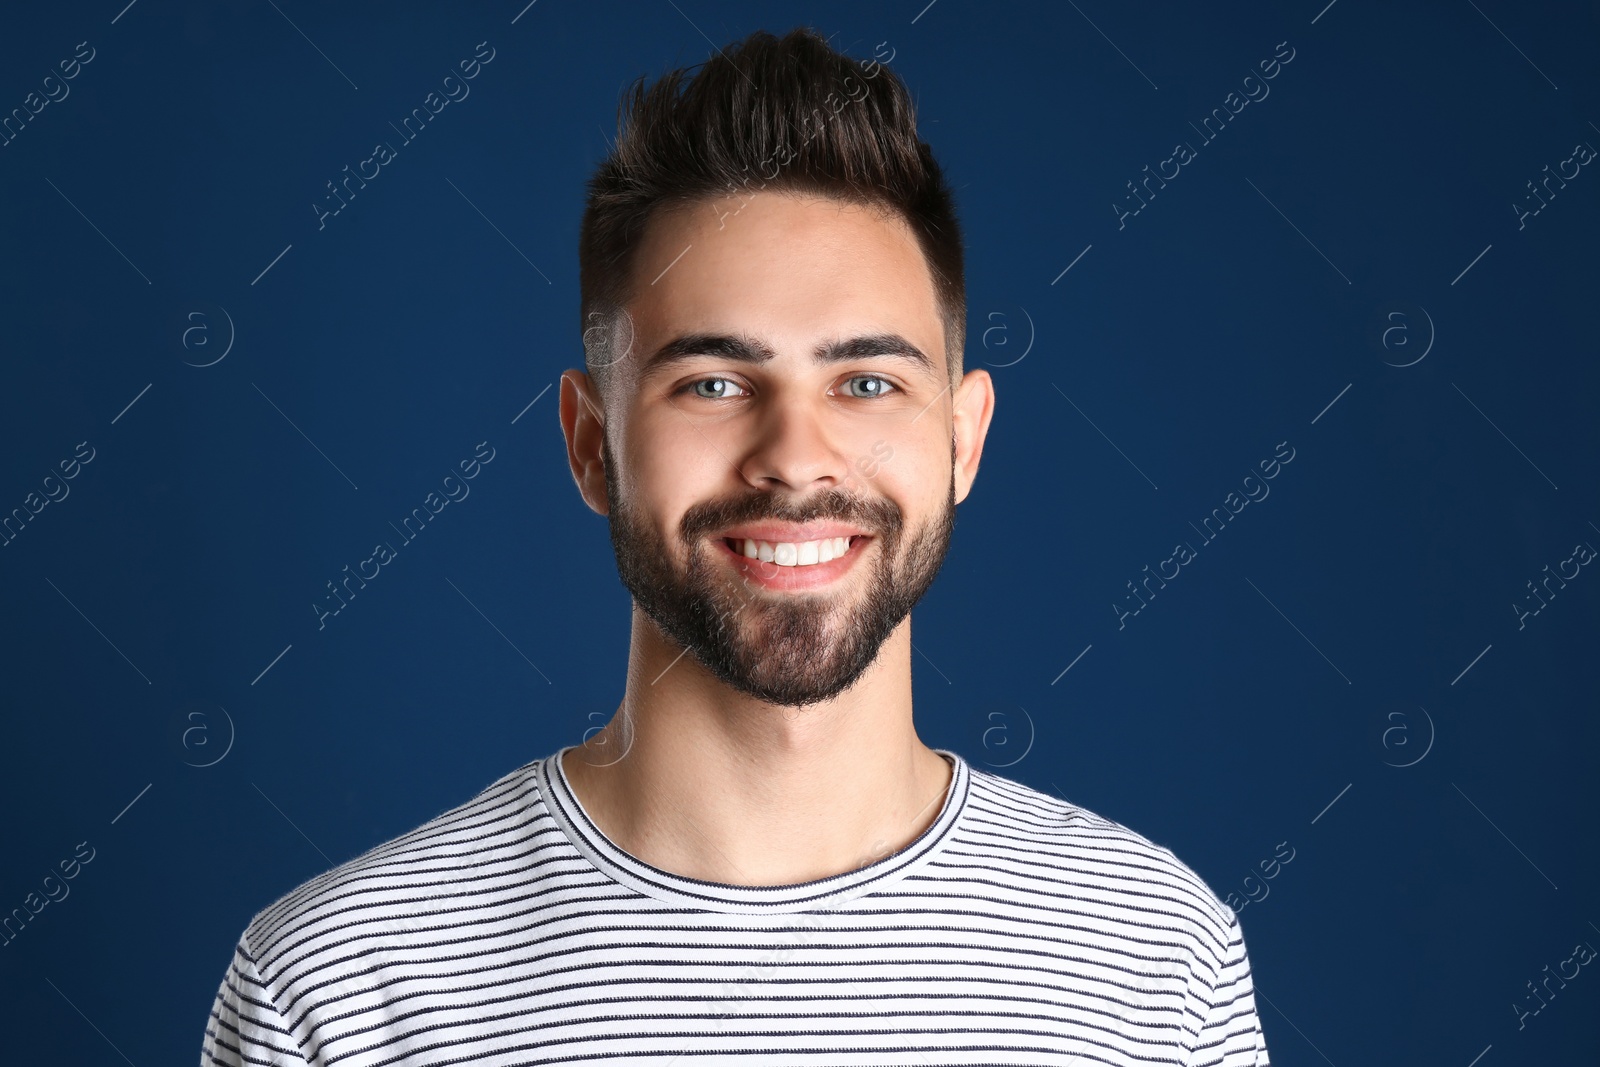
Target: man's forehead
[(815, 277), (721, 252)]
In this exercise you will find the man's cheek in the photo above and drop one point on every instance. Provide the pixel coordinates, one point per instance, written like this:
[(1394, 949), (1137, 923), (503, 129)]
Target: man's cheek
[(870, 463), (882, 453)]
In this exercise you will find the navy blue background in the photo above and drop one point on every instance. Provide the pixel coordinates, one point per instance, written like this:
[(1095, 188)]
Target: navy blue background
[(1340, 674)]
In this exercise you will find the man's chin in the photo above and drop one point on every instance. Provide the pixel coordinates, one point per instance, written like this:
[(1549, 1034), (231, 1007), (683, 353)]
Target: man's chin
[(786, 654), (792, 680)]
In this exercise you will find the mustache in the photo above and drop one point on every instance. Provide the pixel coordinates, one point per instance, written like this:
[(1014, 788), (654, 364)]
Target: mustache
[(878, 517)]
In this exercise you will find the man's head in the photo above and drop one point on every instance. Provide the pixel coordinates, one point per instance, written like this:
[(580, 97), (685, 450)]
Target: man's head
[(769, 114), (774, 364)]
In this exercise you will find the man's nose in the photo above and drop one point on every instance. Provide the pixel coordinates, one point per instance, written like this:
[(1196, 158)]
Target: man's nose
[(794, 449)]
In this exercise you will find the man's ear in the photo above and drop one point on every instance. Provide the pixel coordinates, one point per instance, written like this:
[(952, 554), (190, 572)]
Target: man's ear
[(973, 408), (583, 424)]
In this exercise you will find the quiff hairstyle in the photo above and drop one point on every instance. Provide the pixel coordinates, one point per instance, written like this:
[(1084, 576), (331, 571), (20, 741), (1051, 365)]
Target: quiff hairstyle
[(786, 114)]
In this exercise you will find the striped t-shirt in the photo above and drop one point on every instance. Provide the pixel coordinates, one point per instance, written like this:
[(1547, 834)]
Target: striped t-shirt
[(1017, 929)]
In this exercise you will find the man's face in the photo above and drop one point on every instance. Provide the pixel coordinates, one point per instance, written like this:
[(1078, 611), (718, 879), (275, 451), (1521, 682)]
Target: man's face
[(711, 454)]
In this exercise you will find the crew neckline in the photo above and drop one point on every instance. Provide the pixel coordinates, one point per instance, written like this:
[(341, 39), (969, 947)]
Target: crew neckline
[(562, 803)]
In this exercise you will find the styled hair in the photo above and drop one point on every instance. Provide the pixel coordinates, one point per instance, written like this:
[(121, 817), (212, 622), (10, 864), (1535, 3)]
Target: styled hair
[(786, 114)]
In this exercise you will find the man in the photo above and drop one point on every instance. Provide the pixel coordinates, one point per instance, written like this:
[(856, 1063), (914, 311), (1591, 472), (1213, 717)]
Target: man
[(757, 861)]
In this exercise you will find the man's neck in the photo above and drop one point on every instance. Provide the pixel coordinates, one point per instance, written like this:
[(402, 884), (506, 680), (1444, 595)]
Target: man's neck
[(708, 783)]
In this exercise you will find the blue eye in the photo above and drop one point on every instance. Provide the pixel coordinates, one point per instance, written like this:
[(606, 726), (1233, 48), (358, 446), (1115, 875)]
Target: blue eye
[(716, 395), (881, 386), (722, 388)]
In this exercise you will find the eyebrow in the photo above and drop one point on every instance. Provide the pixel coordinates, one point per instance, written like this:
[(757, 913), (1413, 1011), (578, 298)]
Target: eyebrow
[(744, 349)]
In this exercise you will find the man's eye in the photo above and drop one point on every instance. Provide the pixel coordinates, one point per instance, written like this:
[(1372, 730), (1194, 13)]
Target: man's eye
[(879, 386), (718, 388), (861, 387)]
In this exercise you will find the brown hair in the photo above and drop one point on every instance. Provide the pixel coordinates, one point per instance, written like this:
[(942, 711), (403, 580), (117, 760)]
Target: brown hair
[(789, 114)]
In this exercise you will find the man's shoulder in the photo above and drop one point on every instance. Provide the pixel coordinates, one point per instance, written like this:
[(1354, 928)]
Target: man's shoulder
[(1054, 840), (377, 888)]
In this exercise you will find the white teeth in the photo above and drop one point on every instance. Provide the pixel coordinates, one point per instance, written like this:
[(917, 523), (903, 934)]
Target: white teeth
[(791, 554)]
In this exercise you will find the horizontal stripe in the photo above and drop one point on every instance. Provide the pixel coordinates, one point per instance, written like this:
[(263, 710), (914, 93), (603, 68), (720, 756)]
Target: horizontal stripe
[(1018, 929)]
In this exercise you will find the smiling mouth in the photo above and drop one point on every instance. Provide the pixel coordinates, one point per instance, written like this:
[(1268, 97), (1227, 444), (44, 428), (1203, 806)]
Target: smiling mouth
[(792, 553)]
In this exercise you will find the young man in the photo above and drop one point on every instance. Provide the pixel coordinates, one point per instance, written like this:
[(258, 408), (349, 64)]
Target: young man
[(757, 861)]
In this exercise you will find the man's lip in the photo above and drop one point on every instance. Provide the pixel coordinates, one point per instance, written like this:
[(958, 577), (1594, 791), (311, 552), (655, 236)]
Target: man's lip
[(778, 534), (776, 576)]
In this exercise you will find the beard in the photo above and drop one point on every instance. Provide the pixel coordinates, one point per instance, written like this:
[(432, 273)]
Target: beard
[(783, 648)]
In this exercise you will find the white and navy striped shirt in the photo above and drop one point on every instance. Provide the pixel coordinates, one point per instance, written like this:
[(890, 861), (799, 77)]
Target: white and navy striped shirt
[(1017, 929)]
